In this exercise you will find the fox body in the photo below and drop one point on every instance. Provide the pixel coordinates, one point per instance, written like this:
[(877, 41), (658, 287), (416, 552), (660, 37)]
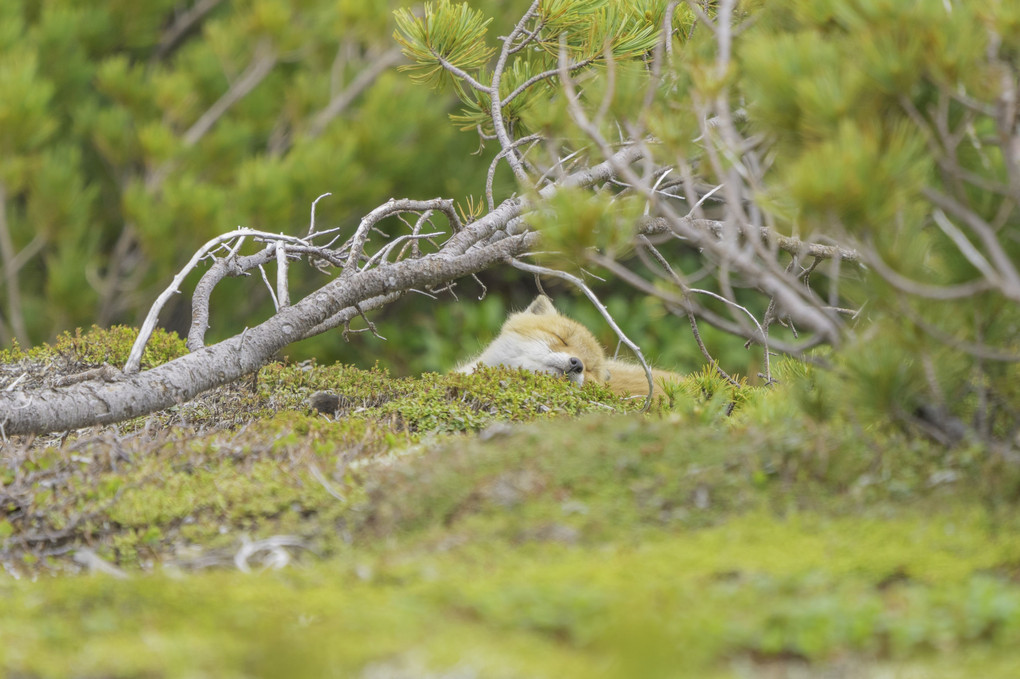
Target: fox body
[(541, 339)]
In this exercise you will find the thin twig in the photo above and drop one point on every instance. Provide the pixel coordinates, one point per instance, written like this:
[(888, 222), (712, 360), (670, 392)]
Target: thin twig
[(761, 330), (311, 220), (680, 283), (339, 103), (490, 176), (601, 308), (544, 75), (269, 287), (135, 357), (390, 208), (7, 256)]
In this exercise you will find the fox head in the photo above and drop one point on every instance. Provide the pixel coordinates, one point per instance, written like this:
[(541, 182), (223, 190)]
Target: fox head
[(540, 339)]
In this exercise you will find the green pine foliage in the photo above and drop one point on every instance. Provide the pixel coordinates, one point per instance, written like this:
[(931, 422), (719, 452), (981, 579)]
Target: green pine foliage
[(108, 186), (587, 30), (861, 99), (857, 517), (867, 109)]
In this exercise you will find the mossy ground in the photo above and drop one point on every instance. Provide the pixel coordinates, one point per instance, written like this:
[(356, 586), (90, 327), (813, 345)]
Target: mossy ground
[(500, 525)]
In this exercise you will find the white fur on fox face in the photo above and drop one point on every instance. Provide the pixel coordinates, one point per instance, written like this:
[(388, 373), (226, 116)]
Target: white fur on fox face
[(515, 351)]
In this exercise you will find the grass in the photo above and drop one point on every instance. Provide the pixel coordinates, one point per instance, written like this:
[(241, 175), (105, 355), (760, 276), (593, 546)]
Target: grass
[(503, 525)]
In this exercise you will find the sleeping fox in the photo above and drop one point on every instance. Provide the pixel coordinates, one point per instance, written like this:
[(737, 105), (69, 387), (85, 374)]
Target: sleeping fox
[(541, 339)]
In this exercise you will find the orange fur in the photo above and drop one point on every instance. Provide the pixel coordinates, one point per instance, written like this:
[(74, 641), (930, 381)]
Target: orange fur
[(629, 379), (540, 338)]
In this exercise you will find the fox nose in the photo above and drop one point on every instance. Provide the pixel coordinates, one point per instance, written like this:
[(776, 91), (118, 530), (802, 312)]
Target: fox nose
[(574, 365)]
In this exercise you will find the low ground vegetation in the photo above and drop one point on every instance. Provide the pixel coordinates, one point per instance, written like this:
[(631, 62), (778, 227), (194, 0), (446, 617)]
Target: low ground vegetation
[(499, 524)]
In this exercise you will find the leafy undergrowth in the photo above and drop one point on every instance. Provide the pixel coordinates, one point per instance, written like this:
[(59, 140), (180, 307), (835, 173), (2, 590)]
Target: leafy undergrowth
[(502, 524), (251, 459)]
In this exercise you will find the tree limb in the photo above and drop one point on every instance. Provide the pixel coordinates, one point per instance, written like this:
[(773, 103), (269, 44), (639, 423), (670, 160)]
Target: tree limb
[(361, 82), (467, 251), (92, 403), (184, 23), (15, 315)]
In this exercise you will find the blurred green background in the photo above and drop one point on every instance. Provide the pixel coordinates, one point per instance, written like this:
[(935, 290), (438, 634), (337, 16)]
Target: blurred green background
[(111, 178), (132, 133)]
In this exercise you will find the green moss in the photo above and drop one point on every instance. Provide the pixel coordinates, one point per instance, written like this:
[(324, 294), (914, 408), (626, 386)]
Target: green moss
[(251, 458), (808, 589), (101, 345), (731, 532), (635, 474)]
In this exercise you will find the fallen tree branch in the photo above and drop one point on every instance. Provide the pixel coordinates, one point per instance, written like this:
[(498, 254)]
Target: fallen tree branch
[(92, 403), (794, 246), (468, 250)]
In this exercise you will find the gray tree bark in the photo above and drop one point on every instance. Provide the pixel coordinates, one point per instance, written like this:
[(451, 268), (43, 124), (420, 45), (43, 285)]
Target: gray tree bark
[(364, 283), (103, 402), (473, 248)]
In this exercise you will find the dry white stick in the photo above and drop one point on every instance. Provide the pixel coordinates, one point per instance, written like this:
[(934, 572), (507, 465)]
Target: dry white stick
[(149, 325), (10, 387), (655, 189), (282, 291), (269, 286), (96, 564), (311, 223), (278, 556), (232, 252), (387, 209), (764, 336), (385, 252)]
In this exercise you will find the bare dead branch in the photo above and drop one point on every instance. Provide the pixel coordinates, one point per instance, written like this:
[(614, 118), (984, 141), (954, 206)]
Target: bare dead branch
[(184, 23), (688, 308), (15, 315), (311, 219), (758, 266), (135, 357), (467, 251), (93, 402), (339, 103), (388, 209), (788, 244), (262, 63), (282, 287)]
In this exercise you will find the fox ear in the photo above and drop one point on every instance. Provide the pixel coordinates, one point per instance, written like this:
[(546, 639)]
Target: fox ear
[(542, 306)]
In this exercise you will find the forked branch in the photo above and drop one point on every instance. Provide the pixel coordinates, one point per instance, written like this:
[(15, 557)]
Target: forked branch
[(364, 282)]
